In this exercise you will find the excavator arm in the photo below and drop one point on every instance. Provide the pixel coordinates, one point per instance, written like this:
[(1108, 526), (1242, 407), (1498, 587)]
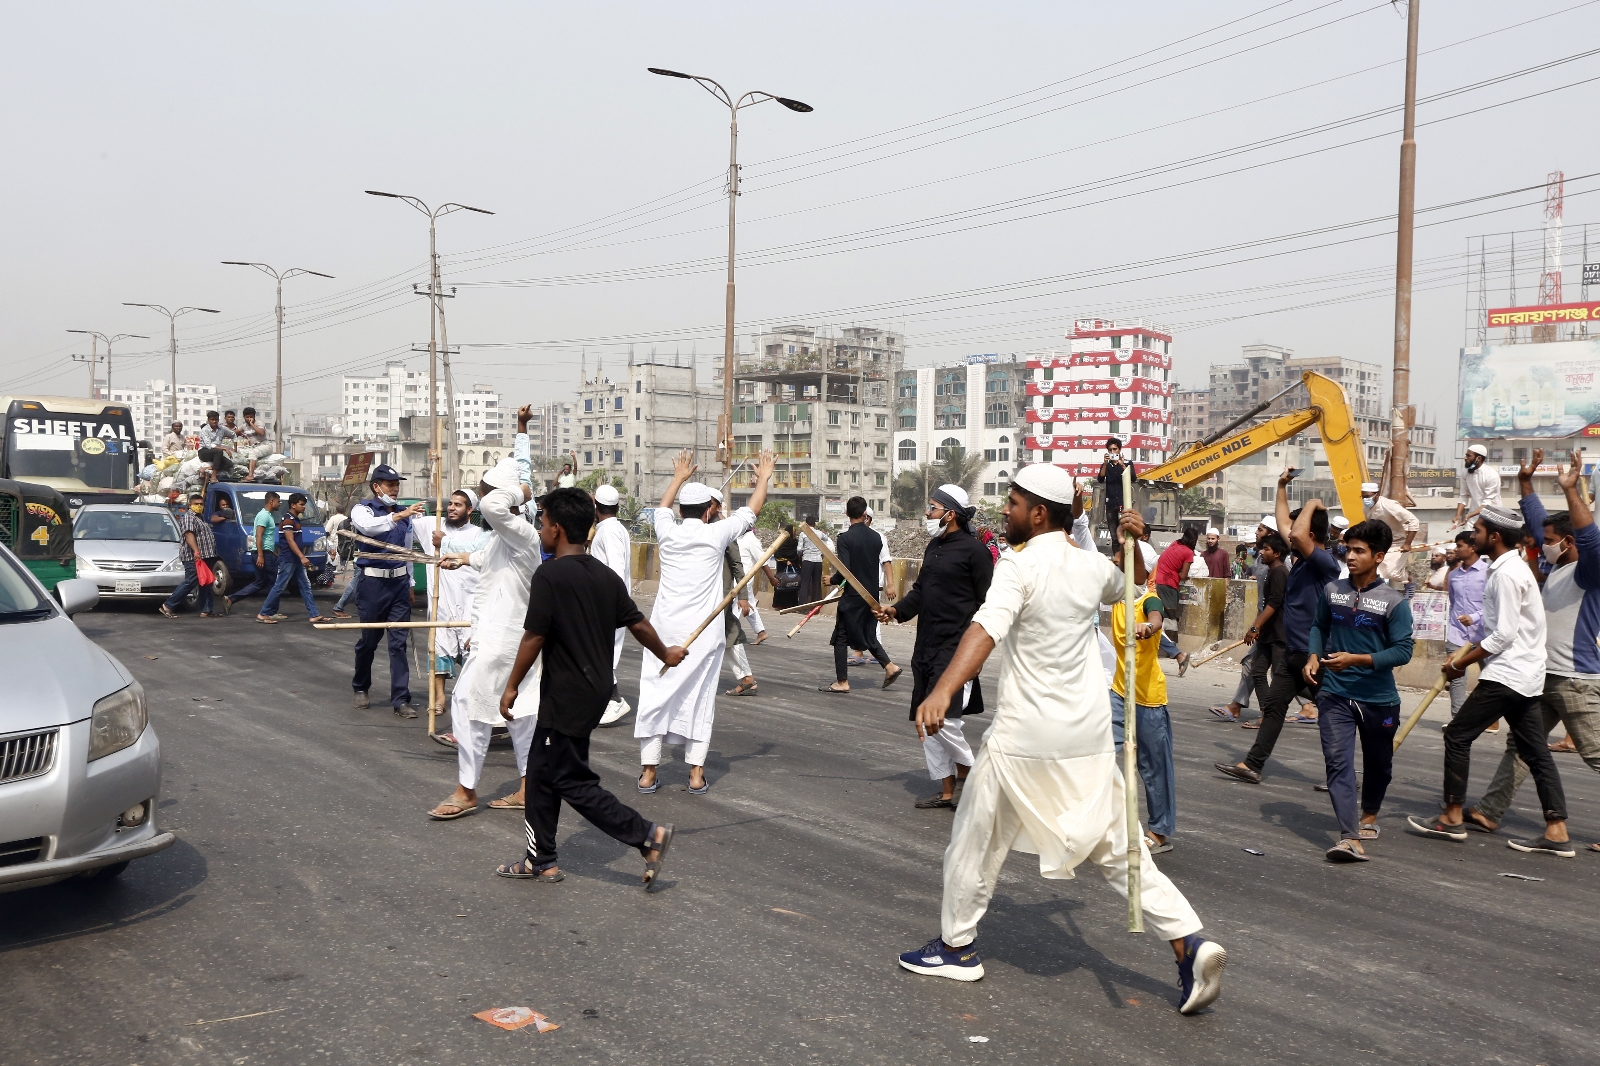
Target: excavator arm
[(1329, 411)]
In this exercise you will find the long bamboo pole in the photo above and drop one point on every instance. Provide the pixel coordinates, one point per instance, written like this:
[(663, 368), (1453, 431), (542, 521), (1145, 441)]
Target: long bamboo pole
[(833, 560), (1214, 654), (1130, 719), (1438, 687), (812, 614), (434, 682), (391, 625), (797, 608), (714, 615)]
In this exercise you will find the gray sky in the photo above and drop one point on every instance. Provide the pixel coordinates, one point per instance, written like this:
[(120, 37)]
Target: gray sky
[(953, 148)]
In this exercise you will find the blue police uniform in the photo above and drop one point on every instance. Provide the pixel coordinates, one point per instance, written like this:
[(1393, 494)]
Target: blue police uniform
[(384, 595)]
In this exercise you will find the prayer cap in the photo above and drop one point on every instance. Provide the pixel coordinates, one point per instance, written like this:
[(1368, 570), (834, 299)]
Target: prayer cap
[(606, 496), (952, 496), (503, 475), (1339, 521), (1502, 517), (472, 499), (694, 494), (1369, 487), (1477, 449), (1046, 481), (1213, 531), (1270, 522), (716, 494)]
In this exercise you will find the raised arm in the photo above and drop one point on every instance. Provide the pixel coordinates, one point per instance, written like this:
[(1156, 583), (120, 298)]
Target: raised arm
[(1300, 538), (683, 468), (764, 466), (1281, 507), (520, 450)]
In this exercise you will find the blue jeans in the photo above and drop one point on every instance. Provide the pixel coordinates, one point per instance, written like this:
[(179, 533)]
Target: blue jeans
[(349, 592), (1156, 768), (1339, 722), (1168, 648), (290, 570), (190, 581), (266, 577)]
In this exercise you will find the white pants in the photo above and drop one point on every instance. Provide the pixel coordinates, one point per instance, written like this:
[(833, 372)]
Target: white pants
[(472, 744), (754, 618), (616, 651), (694, 751), (741, 662), (946, 749), (985, 828)]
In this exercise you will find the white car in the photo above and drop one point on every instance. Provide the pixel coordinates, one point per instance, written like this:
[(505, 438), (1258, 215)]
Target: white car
[(129, 550), (80, 766)]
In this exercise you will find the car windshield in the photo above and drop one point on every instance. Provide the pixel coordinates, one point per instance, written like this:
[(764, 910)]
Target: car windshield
[(131, 524), (19, 600)]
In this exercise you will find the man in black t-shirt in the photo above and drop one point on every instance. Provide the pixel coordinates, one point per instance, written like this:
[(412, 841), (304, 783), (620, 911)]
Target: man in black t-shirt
[(575, 606)]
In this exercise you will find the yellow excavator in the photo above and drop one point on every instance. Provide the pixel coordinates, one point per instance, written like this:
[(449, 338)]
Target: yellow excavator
[(1328, 410)]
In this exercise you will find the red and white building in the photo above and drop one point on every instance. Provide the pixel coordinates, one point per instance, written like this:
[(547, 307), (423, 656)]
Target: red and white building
[(1115, 381)]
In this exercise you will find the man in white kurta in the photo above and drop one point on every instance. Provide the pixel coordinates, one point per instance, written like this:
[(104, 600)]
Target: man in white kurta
[(505, 566), (1402, 523), (679, 707), (613, 547), (750, 550), (1046, 780), (457, 535)]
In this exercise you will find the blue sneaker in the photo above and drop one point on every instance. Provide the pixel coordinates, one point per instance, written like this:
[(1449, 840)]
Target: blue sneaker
[(958, 964), (1200, 973)]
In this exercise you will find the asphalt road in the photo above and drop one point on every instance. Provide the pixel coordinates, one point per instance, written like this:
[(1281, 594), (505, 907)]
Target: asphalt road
[(308, 882)]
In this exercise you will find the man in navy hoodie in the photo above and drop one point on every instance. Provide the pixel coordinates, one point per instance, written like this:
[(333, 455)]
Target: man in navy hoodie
[(1570, 541)]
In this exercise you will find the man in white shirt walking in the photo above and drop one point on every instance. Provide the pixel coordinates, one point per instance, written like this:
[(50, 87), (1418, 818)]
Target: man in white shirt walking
[(1402, 523), (613, 547), (750, 551), (1045, 781), (1510, 686), (1482, 484)]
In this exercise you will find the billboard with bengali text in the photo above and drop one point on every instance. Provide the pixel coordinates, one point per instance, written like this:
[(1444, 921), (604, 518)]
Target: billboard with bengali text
[(1529, 391)]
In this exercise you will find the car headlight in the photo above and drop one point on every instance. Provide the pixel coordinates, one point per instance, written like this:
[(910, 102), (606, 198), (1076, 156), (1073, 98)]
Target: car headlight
[(173, 566), (320, 544), (118, 721)]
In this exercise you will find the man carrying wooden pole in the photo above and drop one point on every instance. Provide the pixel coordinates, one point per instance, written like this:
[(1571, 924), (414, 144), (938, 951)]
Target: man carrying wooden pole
[(1045, 780), (854, 624)]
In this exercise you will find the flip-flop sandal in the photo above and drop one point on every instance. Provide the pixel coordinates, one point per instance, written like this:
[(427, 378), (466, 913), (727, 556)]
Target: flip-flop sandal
[(505, 803), (761, 638), (935, 802), (1593, 847), (1183, 665), (652, 870), (264, 620), (1222, 714), (1343, 852), (740, 690), (835, 691), (892, 678), (854, 661), (1370, 832), (1157, 847), (523, 871), (653, 787), (1437, 829), (341, 614), (1469, 819), (1301, 719), (461, 811), (1254, 723), (701, 791), (447, 739)]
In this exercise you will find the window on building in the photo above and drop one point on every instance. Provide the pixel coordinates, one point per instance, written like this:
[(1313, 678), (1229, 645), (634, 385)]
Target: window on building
[(947, 448), (989, 489), (588, 458), (833, 477), (617, 406), (882, 421), (1005, 453), (989, 457), (588, 406), (907, 452), (833, 447), (998, 414), (880, 480), (636, 440), (616, 456), (636, 414), (638, 387), (881, 451), (1116, 342), (1268, 494), (855, 477), (588, 432), (833, 418), (617, 430), (907, 419)]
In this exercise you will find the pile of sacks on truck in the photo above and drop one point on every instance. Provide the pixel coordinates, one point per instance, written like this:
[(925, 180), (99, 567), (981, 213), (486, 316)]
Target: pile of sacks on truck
[(181, 472)]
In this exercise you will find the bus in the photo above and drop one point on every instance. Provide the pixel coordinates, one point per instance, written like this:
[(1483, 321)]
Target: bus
[(85, 449)]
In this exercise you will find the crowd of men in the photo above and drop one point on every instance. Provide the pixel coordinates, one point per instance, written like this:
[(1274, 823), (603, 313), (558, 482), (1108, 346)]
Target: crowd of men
[(530, 610)]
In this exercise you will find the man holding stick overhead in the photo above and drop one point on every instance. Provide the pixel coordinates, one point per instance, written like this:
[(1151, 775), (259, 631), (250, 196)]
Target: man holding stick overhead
[(950, 587), (853, 624), (1045, 780), (678, 707)]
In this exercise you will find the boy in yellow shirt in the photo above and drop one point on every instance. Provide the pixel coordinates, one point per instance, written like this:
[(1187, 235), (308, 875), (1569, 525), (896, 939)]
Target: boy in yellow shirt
[(1156, 768)]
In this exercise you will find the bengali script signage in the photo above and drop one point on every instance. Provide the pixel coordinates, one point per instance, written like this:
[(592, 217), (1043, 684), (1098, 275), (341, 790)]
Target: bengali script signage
[(1529, 391), (1549, 315)]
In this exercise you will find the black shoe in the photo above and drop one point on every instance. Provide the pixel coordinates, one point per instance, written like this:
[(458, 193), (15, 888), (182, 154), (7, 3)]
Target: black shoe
[(360, 701), (406, 710), (1239, 773), (1543, 845)]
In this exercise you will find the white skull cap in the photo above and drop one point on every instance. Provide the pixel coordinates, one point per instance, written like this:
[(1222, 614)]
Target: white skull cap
[(694, 494), (1046, 481), (606, 496)]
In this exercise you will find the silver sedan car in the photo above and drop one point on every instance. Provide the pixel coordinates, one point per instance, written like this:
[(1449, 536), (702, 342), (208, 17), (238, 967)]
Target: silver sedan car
[(80, 766), (129, 550)]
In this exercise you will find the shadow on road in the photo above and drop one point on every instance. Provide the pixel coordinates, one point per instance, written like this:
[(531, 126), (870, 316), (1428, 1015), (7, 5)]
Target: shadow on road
[(1043, 939), (150, 888)]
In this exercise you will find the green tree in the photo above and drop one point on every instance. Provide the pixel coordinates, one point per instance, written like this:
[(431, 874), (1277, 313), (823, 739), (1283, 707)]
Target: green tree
[(909, 496), (775, 515)]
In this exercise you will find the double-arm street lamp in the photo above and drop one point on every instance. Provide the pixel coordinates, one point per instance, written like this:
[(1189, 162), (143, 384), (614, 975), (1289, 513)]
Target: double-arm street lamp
[(725, 423), (435, 323), (278, 390), (172, 335), (96, 338)]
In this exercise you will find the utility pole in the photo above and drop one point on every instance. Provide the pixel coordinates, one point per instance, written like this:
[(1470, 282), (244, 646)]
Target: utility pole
[(1402, 414), (277, 402), (725, 423), (98, 337), (93, 361), (172, 342)]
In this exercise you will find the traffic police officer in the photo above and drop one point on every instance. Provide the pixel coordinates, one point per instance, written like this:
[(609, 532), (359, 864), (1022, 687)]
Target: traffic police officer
[(384, 594)]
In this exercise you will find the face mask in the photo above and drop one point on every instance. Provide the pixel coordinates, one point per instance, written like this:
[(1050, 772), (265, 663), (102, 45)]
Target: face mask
[(386, 500), (934, 526), (1552, 552)]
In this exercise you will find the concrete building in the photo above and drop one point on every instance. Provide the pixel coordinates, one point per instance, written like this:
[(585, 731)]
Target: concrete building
[(373, 406), (151, 407), (977, 406), (555, 426), (634, 426), (1189, 416), (262, 401), (821, 403), (1116, 380)]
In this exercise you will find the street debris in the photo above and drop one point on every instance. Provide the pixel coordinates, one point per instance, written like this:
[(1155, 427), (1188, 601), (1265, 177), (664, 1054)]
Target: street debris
[(236, 1017), (1523, 877), (516, 1018), (1253, 851), (977, 1040)]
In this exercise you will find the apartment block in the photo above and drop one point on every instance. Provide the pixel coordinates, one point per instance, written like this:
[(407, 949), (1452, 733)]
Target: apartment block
[(975, 406), (634, 426), (373, 406)]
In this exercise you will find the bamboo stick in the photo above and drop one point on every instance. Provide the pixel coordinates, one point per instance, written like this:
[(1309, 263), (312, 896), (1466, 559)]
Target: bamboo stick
[(1130, 729), (714, 615)]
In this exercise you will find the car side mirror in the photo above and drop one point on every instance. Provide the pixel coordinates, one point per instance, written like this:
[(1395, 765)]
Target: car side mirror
[(77, 594)]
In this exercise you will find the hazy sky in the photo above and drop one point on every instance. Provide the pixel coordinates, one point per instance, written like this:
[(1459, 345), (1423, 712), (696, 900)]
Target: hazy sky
[(974, 175)]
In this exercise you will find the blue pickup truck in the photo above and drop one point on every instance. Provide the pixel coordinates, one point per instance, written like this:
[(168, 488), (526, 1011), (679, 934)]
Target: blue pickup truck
[(238, 503)]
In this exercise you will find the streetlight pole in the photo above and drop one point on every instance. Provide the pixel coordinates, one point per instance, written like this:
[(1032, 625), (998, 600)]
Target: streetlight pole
[(172, 341), (278, 383), (97, 338), (725, 423), (1400, 416), (435, 430)]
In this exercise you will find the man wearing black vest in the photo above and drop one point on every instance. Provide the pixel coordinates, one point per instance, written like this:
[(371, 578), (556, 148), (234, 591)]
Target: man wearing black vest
[(385, 591)]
